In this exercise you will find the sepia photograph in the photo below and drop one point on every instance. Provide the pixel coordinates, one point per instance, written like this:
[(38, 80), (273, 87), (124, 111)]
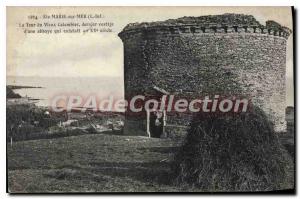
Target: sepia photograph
[(150, 99)]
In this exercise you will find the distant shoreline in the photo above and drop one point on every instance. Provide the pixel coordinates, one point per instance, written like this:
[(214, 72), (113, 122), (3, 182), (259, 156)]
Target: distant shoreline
[(20, 87), (10, 94)]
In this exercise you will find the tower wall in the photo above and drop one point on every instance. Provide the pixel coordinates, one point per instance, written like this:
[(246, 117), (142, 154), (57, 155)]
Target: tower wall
[(229, 60)]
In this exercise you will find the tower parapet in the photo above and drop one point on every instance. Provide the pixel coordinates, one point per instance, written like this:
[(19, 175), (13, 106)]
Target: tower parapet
[(227, 23)]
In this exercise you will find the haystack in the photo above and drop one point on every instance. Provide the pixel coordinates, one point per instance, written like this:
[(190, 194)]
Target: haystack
[(238, 152)]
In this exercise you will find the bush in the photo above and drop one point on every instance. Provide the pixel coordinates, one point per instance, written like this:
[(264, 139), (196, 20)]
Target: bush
[(25, 121), (231, 153)]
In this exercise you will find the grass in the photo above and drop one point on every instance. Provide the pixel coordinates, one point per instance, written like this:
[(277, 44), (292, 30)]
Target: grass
[(95, 163), (91, 163)]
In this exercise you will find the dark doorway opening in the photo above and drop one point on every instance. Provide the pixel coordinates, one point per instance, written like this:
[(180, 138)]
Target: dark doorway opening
[(156, 124)]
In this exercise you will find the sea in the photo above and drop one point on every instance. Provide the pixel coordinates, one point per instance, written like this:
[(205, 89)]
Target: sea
[(102, 87)]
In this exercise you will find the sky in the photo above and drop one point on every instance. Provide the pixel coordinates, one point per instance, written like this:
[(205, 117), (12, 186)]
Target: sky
[(96, 55)]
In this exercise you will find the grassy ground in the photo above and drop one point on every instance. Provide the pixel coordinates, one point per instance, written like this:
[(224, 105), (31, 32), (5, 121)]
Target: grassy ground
[(91, 163), (94, 163)]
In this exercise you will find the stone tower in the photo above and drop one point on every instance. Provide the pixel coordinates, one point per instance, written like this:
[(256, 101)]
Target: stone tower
[(230, 54)]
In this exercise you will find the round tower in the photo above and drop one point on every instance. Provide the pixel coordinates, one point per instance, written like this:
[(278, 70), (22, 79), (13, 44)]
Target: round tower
[(230, 54)]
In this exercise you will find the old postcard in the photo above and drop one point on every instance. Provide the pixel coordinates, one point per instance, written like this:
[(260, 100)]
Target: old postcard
[(150, 99)]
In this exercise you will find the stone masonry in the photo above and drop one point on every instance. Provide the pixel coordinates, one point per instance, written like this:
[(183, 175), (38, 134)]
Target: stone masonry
[(230, 54)]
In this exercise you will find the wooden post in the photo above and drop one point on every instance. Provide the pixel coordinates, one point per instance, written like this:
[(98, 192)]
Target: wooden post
[(148, 123), (164, 123)]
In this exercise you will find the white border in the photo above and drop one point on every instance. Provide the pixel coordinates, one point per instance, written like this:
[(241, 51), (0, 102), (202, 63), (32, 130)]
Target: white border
[(108, 3), (149, 3)]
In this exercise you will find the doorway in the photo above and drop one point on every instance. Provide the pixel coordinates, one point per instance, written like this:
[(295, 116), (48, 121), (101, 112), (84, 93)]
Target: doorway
[(155, 123)]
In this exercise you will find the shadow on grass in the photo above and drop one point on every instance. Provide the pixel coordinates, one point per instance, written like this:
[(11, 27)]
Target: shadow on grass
[(147, 172), (157, 172), (162, 149)]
